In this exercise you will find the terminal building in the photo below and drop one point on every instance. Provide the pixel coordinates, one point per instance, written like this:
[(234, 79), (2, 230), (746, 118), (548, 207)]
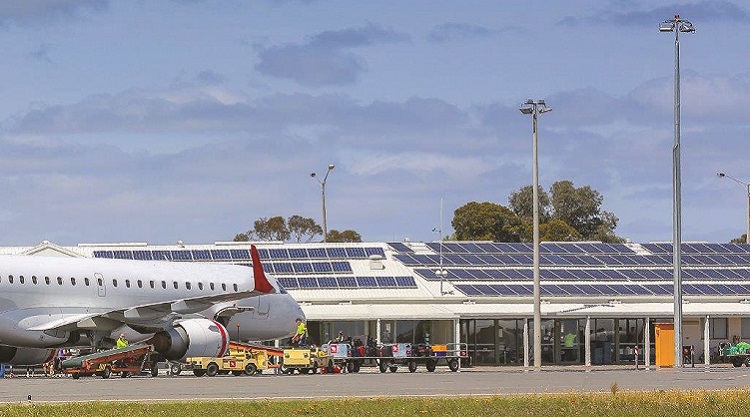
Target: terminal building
[(607, 297)]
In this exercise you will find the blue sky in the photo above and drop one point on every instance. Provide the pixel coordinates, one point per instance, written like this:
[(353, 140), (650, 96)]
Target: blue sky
[(160, 121)]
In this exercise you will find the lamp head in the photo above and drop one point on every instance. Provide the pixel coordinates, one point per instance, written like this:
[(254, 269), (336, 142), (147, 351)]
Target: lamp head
[(666, 26), (721, 174), (312, 175), (331, 166)]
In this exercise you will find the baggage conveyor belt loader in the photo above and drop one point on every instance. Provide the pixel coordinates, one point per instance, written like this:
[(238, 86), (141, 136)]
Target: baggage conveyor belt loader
[(132, 360)]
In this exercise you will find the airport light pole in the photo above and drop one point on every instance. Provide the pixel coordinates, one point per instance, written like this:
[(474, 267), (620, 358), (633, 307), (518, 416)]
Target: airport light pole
[(323, 195), (747, 216), (534, 108), (677, 25)]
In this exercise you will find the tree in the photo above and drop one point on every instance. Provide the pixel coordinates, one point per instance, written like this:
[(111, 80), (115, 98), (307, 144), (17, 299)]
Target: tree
[(485, 221), (741, 239), (242, 237), (557, 231), (522, 203), (343, 236), (273, 228), (580, 208), (300, 227)]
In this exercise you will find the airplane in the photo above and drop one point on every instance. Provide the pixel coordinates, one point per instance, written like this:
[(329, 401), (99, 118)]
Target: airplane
[(183, 309)]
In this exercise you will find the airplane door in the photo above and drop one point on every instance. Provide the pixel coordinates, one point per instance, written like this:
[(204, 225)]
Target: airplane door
[(100, 286), (264, 307)]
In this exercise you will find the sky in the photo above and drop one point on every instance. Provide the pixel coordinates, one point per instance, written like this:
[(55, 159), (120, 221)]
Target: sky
[(158, 121)]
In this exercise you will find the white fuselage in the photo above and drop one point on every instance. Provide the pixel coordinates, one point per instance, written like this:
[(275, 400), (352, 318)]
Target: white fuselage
[(46, 301)]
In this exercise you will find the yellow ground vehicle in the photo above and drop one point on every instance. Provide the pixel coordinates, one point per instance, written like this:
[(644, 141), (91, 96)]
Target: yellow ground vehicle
[(305, 360), (237, 362)]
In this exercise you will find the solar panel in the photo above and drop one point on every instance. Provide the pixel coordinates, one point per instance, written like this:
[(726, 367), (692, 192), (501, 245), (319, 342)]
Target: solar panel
[(327, 282), (283, 267), (400, 247), (367, 282), (302, 267), (347, 282), (336, 253), (298, 253), (277, 253), (386, 282), (374, 251), (317, 253), (103, 254), (307, 282), (355, 253), (122, 254), (468, 290), (485, 289), (590, 248), (162, 255), (572, 289), (241, 254), (289, 283), (182, 255), (142, 255), (406, 282), (553, 290), (221, 254), (322, 267), (201, 255), (341, 266)]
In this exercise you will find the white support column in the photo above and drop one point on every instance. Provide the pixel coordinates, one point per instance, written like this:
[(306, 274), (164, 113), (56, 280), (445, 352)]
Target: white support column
[(457, 339), (706, 345), (587, 341), (377, 331), (647, 343), (525, 345)]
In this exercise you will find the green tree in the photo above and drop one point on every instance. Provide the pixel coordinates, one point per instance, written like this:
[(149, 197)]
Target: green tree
[(557, 231), (300, 227), (580, 208), (741, 239), (343, 236), (242, 237), (522, 203), (485, 221), (273, 228)]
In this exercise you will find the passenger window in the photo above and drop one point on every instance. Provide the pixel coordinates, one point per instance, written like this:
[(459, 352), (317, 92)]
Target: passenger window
[(59, 280), (200, 286), (127, 283), (46, 280), (140, 284), (114, 283), (10, 279), (235, 287), (223, 287), (175, 284), (151, 283), (187, 286), (99, 282), (86, 282), (72, 281), (211, 285), (164, 284), (33, 279), (20, 279)]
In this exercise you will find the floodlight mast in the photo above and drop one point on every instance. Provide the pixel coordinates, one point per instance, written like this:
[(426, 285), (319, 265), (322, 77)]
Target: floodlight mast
[(677, 25), (323, 196), (534, 108)]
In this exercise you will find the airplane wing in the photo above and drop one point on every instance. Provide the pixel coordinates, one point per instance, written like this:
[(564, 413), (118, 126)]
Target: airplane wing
[(145, 315)]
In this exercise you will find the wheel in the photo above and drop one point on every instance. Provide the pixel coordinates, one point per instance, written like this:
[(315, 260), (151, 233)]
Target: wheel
[(453, 365), (250, 369), (393, 368), (155, 370), (383, 365), (304, 371), (212, 369), (431, 365), (107, 372), (199, 372), (350, 367), (175, 369), (124, 374), (412, 366), (76, 375), (737, 362), (747, 361), (357, 365)]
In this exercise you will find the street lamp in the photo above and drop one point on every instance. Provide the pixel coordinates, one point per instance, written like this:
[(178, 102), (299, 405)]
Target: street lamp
[(323, 195), (677, 25), (747, 217), (534, 108), (441, 272)]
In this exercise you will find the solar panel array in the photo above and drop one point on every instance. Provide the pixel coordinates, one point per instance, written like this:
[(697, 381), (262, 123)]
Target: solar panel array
[(311, 267), (585, 269)]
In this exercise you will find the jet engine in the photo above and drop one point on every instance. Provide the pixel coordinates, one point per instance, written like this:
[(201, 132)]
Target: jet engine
[(25, 356), (193, 337)]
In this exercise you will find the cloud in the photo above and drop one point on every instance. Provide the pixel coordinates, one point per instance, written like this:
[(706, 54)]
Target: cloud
[(457, 31), (41, 53), (326, 58), (40, 12), (707, 11)]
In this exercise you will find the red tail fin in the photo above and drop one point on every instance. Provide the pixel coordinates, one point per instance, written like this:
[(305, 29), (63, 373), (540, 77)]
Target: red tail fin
[(261, 282)]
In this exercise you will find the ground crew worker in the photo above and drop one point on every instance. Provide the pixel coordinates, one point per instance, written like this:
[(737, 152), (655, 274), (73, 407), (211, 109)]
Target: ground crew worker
[(340, 338), (122, 342), (300, 337)]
